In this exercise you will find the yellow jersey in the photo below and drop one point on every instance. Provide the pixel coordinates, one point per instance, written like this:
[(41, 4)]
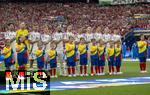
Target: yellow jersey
[(23, 33), (7, 52), (117, 51), (93, 49), (142, 46), (38, 52), (82, 48), (110, 51), (70, 49), (51, 53), (21, 47), (101, 49)]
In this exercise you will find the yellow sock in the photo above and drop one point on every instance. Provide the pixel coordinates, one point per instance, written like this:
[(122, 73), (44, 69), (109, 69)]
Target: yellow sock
[(16, 65), (26, 66)]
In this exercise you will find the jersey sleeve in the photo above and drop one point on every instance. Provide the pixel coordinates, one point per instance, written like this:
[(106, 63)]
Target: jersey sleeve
[(67, 48), (4, 50)]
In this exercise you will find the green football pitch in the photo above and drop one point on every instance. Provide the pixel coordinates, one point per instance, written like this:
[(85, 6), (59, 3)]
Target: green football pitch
[(120, 90), (129, 69)]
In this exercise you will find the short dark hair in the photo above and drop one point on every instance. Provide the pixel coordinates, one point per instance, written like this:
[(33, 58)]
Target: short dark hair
[(10, 24), (93, 39), (82, 38)]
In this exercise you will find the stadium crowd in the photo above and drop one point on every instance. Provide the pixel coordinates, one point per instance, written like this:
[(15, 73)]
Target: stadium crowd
[(78, 14)]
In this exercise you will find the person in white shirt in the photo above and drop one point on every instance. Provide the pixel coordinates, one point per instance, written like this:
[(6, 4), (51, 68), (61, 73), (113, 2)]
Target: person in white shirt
[(46, 39), (81, 34), (89, 34), (68, 33), (89, 37), (97, 34), (34, 37), (116, 37), (106, 35), (10, 34), (58, 38)]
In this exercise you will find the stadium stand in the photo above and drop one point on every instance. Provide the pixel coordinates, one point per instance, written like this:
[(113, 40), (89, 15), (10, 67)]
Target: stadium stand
[(76, 14)]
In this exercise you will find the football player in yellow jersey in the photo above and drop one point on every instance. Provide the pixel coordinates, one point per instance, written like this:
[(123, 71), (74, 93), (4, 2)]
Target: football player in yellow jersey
[(40, 52), (71, 57), (21, 50), (82, 48), (52, 56), (142, 50), (101, 54), (94, 57), (23, 32), (8, 55), (118, 57), (111, 57)]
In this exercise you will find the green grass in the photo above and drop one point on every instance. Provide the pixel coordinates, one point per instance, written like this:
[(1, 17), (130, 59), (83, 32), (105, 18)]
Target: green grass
[(120, 90), (129, 69)]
